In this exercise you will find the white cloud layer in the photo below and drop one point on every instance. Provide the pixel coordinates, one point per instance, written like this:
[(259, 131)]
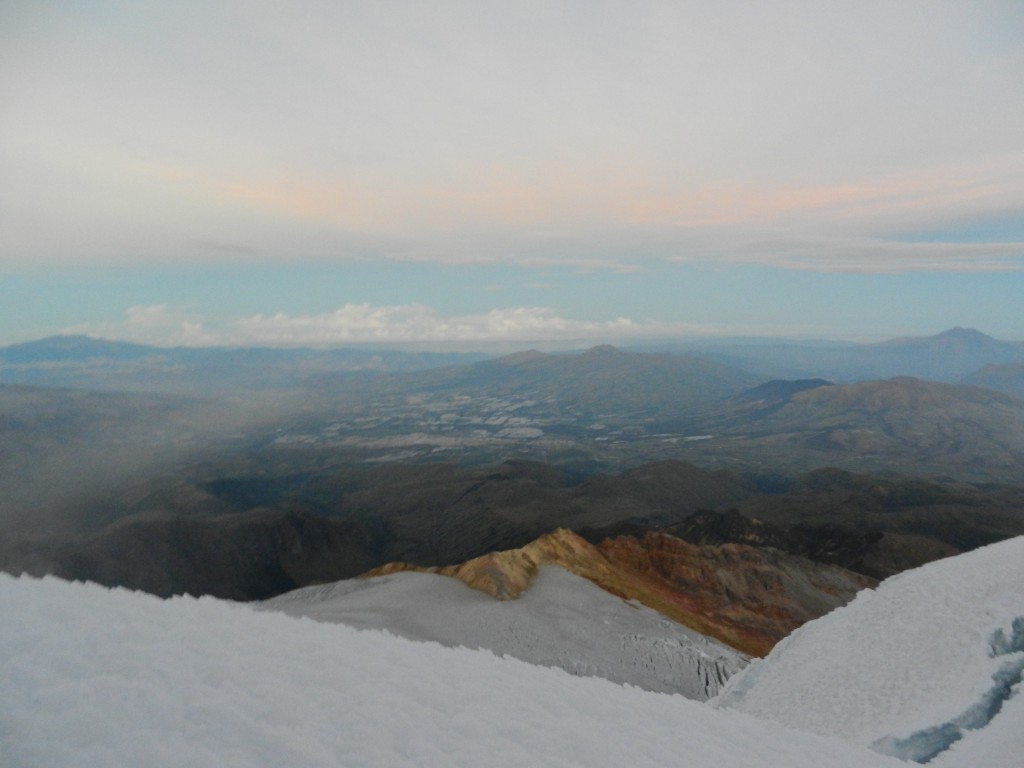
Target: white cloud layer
[(367, 324)]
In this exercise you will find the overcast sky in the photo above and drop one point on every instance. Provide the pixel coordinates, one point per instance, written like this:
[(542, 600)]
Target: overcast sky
[(326, 172)]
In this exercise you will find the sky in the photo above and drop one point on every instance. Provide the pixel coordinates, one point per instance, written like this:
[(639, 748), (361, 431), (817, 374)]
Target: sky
[(326, 172)]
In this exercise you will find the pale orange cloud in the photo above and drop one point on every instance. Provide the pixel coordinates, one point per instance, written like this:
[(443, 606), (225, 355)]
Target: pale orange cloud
[(472, 198), (554, 203), (939, 190)]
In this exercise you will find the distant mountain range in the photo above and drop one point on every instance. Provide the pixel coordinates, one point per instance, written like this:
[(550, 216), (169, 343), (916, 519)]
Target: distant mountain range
[(950, 356), (604, 410), (81, 361), (88, 363)]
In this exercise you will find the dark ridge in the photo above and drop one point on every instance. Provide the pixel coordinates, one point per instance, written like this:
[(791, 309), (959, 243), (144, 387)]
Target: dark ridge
[(781, 389)]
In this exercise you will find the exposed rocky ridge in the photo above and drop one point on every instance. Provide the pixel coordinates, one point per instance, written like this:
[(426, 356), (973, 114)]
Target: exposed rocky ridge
[(746, 597), (831, 544), (866, 550), (504, 575)]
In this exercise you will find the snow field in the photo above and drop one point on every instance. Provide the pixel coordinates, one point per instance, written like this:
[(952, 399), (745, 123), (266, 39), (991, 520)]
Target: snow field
[(95, 677), (562, 621)]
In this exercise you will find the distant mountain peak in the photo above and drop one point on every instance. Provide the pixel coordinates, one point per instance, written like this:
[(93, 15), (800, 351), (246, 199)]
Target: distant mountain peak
[(955, 336), (525, 356), (604, 349), (958, 332), (72, 347)]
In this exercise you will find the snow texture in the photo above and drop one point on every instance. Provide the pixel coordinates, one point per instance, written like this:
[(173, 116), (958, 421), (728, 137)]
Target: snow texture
[(927, 667), (562, 621), (96, 678)]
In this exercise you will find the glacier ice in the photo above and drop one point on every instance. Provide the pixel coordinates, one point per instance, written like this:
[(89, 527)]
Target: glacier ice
[(922, 746)]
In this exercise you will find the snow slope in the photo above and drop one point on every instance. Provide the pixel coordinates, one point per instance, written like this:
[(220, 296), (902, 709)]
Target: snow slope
[(95, 678), (563, 621), (927, 666)]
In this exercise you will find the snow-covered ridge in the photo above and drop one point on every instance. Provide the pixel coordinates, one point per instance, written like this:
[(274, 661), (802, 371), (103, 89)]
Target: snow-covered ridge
[(745, 597), (927, 667), (98, 678), (562, 621)]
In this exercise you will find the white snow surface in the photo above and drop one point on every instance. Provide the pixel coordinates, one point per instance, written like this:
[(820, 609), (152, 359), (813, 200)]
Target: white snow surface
[(562, 621), (932, 655), (94, 677)]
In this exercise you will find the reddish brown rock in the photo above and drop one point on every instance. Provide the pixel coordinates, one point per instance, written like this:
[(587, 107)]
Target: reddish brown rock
[(746, 596)]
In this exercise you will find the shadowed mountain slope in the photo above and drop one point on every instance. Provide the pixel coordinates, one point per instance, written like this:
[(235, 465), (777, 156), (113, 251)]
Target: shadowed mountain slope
[(901, 425), (247, 556), (603, 379), (921, 519), (235, 535)]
